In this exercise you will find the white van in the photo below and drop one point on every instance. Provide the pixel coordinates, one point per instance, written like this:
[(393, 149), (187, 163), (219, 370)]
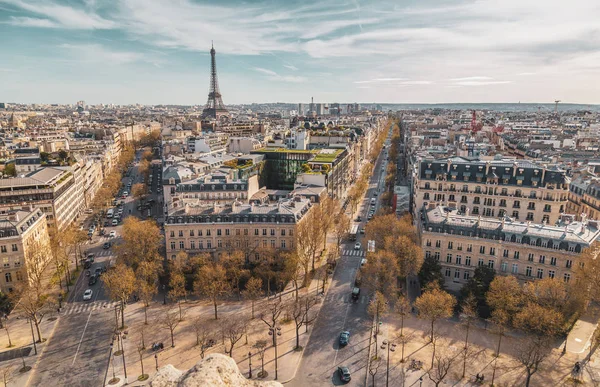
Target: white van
[(110, 213), (373, 200)]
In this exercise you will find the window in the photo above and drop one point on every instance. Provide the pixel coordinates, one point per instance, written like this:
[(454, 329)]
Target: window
[(209, 244), (226, 231), (219, 243), (172, 245), (476, 200), (505, 253), (7, 277), (516, 204), (566, 277), (199, 232), (516, 255), (551, 273), (218, 232), (475, 210), (428, 254), (504, 267), (466, 275), (447, 273), (245, 231), (283, 243), (480, 262), (264, 243), (531, 206), (547, 208), (449, 258), (449, 245), (569, 263), (264, 231), (515, 214), (255, 231), (19, 276), (426, 196), (542, 259), (291, 232), (515, 268), (529, 216), (193, 245), (502, 202), (436, 255), (458, 259), (191, 233), (540, 273), (457, 274), (172, 236), (491, 263), (469, 248), (530, 257), (492, 251), (283, 234), (272, 232), (207, 232), (482, 249), (528, 271), (237, 232), (180, 233), (438, 243), (459, 246), (200, 245), (467, 261)]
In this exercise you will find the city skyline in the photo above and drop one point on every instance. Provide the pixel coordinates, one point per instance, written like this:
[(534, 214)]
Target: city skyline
[(155, 52)]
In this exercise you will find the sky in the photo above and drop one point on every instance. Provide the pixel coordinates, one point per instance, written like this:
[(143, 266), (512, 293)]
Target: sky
[(386, 51)]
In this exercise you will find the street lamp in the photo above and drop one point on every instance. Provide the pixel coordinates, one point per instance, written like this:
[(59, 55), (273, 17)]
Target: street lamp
[(390, 347), (275, 331), (120, 337), (249, 365), (156, 360), (420, 381)]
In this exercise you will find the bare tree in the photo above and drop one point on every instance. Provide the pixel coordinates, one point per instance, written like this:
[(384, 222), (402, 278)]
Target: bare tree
[(120, 282), (254, 291), (296, 311), (341, 227), (32, 302), (469, 315), (402, 307), (261, 346), (374, 365), (178, 291), (234, 329), (441, 367), (170, 321), (7, 375), (203, 334), (271, 311), (309, 302), (5, 326), (140, 351)]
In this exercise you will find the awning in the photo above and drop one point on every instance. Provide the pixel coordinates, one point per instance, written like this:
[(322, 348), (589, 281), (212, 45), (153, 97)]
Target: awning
[(536, 179), (428, 171), (479, 175), (467, 174), (454, 173), (506, 176), (520, 177)]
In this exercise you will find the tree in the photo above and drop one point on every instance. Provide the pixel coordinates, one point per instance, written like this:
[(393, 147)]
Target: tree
[(7, 375), (469, 315), (139, 191), (10, 170), (440, 368), (305, 245), (309, 303), (381, 272), (341, 227), (505, 294), (434, 304), (377, 308), (147, 284), (261, 346), (212, 283), (140, 350), (293, 268), (120, 282), (234, 329), (431, 273), (543, 324), (271, 311), (402, 307), (254, 291), (374, 365), (478, 286), (328, 207), (203, 334), (32, 303), (141, 242), (5, 326), (233, 262), (178, 291), (295, 310), (408, 255), (170, 321), (309, 235)]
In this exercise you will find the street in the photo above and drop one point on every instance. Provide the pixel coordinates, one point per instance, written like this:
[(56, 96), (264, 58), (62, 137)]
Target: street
[(323, 355), (78, 349)]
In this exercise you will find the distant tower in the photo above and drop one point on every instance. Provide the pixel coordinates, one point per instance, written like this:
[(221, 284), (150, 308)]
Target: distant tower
[(214, 107)]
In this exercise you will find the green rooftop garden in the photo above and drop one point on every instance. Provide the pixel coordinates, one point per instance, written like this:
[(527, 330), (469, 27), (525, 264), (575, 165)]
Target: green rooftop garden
[(284, 150), (326, 157)]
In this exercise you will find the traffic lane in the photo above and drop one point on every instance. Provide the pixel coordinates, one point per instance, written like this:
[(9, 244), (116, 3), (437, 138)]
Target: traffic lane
[(323, 355)]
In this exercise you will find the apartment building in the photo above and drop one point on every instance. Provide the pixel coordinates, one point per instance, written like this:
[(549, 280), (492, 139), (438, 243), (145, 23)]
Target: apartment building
[(523, 190), (250, 228), (53, 190), (526, 250), (584, 197), (23, 240), (217, 188)]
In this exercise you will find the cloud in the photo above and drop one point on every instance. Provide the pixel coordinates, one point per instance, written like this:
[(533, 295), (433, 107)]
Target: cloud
[(273, 76), (291, 67), (57, 16), (468, 79), (481, 83), (382, 80), (96, 53)]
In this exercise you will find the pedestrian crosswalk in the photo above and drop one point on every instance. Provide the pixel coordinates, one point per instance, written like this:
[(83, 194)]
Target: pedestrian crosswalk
[(83, 307), (353, 253), (104, 253)]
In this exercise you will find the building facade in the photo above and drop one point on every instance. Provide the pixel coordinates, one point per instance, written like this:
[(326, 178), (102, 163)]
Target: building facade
[(494, 188), (525, 250)]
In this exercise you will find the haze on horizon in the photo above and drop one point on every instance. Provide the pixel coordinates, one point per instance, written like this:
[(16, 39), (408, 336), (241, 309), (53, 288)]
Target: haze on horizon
[(428, 51)]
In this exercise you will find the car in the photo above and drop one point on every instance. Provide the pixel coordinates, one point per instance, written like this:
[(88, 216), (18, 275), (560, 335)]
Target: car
[(90, 257), (357, 246), (120, 211), (87, 295), (106, 245), (363, 261), (358, 218), (344, 374), (112, 234), (370, 216), (98, 272), (106, 223), (355, 293), (87, 264), (115, 222), (125, 194), (92, 280), (362, 230), (344, 338)]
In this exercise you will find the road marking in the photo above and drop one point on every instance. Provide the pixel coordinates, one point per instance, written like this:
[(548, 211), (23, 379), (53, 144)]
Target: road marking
[(343, 327), (81, 340)]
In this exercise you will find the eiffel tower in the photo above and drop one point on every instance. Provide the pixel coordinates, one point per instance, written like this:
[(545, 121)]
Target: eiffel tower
[(214, 108)]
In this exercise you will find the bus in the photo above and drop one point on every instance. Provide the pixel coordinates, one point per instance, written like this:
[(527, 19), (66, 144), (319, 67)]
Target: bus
[(353, 232)]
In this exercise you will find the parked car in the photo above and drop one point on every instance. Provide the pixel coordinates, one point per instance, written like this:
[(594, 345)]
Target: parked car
[(98, 272), (362, 230), (115, 222), (357, 246), (87, 295), (344, 338), (344, 374), (112, 234), (92, 280), (363, 261), (355, 293)]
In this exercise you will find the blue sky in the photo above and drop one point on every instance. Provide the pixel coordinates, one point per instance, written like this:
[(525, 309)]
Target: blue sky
[(157, 51)]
